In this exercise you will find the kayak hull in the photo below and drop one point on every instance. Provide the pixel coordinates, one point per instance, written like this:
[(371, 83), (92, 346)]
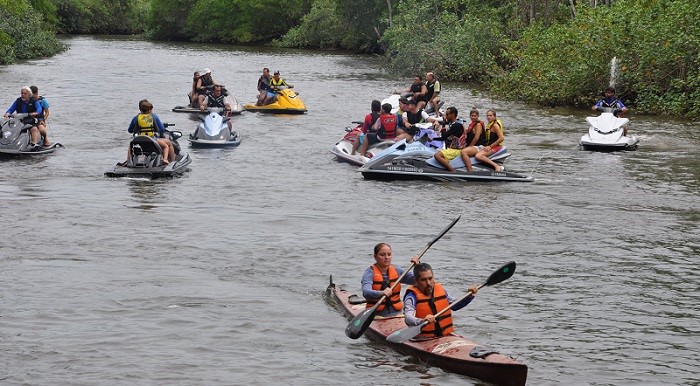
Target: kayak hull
[(451, 353)]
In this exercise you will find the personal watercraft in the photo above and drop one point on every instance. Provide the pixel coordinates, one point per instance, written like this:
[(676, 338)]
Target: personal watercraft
[(287, 102), (404, 161), (343, 148), (606, 133), (193, 108), (15, 137), (146, 159), (214, 131)]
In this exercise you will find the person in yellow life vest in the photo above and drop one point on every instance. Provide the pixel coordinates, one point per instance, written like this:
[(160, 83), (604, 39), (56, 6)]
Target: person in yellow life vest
[(147, 123), (277, 84), (380, 276), (426, 298), (492, 141)]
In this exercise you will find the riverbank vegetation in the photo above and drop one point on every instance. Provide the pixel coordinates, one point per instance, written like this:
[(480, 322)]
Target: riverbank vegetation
[(550, 52)]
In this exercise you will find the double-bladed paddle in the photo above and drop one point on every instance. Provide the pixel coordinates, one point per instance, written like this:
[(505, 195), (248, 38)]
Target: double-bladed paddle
[(496, 277), (361, 321)]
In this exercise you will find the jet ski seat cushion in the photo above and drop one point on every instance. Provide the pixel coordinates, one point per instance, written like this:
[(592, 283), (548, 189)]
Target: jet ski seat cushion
[(145, 152)]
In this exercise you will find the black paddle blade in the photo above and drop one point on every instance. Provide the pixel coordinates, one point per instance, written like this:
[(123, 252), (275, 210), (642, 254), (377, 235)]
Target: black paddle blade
[(503, 273), (359, 323)]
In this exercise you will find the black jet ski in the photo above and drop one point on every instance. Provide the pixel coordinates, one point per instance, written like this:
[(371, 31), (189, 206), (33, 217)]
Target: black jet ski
[(15, 139), (214, 131), (147, 159), (404, 161)]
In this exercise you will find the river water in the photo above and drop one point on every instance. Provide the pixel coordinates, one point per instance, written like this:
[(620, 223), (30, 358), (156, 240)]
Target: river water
[(217, 277)]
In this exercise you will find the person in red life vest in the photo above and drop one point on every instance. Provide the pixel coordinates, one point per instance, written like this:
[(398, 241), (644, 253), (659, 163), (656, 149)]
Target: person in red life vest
[(380, 276), (384, 129), (369, 121), (474, 131), (425, 299)]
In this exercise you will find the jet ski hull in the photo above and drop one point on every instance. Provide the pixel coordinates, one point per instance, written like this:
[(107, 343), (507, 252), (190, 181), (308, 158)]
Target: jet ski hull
[(234, 141), (172, 169), (15, 138), (237, 110), (214, 131), (416, 162), (288, 102), (146, 159), (343, 148), (606, 133)]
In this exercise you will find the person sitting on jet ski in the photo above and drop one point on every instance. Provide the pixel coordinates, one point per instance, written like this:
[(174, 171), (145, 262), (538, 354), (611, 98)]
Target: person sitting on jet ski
[(609, 101), (147, 123), (412, 116), (416, 90), (266, 93), (205, 85), (216, 99), (456, 134), (278, 84), (384, 129), (25, 104), (369, 121)]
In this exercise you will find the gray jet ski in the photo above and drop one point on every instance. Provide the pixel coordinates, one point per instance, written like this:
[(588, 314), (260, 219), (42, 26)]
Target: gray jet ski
[(236, 108), (15, 139), (404, 161), (214, 131), (147, 159)]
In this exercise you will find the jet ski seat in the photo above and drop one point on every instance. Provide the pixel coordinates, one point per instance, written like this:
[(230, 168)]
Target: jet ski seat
[(145, 152)]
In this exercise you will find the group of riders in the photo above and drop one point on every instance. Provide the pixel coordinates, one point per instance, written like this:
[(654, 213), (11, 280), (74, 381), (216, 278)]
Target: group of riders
[(37, 107), (269, 87), (474, 139), (207, 93)]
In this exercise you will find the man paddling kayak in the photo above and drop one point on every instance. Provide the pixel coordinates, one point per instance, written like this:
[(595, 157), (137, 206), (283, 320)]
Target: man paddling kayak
[(426, 298)]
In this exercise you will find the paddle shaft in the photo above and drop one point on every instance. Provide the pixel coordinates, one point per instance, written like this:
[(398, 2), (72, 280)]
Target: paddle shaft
[(430, 244), (361, 321)]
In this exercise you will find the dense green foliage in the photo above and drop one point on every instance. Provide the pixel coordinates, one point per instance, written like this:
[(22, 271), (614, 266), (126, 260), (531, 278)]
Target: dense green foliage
[(552, 52), (23, 33), (101, 17), (225, 21), (657, 44)]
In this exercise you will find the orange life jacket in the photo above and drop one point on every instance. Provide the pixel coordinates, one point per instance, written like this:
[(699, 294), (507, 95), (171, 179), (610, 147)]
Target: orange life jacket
[(426, 305), (378, 284)]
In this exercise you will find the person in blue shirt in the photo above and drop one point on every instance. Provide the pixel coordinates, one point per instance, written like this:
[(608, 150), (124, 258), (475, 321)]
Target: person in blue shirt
[(43, 120), (378, 279), (611, 102), (148, 123), (25, 104)]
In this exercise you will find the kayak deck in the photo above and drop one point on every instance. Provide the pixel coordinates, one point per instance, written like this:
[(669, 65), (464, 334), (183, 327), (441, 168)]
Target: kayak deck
[(452, 353)]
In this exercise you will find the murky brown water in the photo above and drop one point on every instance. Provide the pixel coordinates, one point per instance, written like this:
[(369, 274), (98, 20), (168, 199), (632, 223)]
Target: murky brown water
[(217, 277)]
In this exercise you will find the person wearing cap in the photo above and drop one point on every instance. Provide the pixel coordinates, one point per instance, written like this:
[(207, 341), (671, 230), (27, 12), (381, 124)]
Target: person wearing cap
[(412, 116), (205, 85)]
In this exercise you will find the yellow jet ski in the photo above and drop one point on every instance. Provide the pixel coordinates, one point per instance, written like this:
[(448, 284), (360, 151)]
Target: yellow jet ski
[(288, 102)]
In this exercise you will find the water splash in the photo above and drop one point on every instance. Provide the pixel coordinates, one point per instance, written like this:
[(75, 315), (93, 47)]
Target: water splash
[(614, 72)]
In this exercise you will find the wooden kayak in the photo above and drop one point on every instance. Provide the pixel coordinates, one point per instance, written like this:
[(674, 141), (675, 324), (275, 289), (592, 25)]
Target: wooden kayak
[(453, 353)]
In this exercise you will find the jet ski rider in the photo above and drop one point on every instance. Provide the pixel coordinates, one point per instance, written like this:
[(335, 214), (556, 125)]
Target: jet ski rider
[(148, 123)]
